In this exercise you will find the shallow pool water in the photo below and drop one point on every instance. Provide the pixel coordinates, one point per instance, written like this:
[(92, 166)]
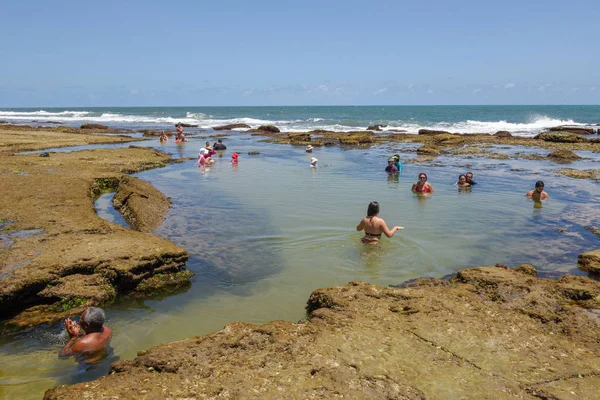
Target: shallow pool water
[(263, 234)]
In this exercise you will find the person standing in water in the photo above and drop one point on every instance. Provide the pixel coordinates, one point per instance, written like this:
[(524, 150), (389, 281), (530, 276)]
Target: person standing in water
[(397, 162), (90, 338), (538, 193), (391, 167), (470, 181), (374, 226), (462, 182), (422, 186), (179, 137)]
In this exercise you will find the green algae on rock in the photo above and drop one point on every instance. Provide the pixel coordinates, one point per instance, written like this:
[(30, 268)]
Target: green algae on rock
[(490, 330)]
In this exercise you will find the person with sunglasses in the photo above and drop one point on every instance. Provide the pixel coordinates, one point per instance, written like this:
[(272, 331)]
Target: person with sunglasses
[(375, 226), (422, 186)]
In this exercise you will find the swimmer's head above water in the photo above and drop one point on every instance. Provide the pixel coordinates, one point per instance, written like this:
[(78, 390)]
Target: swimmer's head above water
[(373, 209)]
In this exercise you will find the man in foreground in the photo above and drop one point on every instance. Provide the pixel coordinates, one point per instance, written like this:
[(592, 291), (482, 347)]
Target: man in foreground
[(90, 338)]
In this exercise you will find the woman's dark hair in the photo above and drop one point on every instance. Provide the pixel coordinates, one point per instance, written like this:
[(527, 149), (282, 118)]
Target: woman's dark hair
[(539, 184), (423, 173), (462, 175), (373, 209)]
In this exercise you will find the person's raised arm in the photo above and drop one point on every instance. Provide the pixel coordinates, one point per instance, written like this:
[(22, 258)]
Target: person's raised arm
[(387, 232)]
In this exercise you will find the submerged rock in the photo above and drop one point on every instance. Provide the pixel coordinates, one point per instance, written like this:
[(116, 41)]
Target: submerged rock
[(231, 127), (266, 128), (432, 132), (563, 155), (429, 150), (573, 129), (376, 127), (489, 330), (94, 126)]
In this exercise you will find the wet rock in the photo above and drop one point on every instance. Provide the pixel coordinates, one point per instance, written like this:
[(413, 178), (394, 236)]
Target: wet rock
[(45, 154), (396, 130), (141, 204), (189, 125), (560, 137), (502, 134), (488, 331), (3, 121), (231, 127), (432, 132), (589, 261), (429, 150), (593, 229), (78, 257), (160, 282), (356, 138), (266, 128), (563, 155), (526, 269), (253, 153), (573, 129), (299, 138), (94, 126), (155, 133), (579, 174), (376, 127)]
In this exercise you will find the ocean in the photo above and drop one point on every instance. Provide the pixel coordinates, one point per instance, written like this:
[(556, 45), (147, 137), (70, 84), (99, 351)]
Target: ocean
[(519, 120)]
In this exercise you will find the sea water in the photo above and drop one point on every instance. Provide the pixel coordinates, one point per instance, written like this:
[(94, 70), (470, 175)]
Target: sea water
[(263, 234), (519, 120)]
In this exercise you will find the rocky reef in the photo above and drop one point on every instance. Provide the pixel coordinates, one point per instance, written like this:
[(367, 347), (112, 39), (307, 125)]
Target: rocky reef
[(58, 255), (489, 332)]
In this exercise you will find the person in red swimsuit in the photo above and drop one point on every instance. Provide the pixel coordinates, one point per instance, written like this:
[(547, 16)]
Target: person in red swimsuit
[(374, 226), (422, 186)]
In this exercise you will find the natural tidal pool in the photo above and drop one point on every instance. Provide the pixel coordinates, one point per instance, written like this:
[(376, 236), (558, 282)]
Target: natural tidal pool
[(263, 234)]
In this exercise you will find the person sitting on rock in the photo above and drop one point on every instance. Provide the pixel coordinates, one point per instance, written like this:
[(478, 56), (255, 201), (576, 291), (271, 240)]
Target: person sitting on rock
[(90, 338), (219, 145), (469, 176), (462, 182), (391, 167), (538, 193), (180, 137)]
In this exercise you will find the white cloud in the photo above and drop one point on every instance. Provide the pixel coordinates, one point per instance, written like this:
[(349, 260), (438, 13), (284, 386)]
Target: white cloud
[(323, 88), (430, 91), (509, 86), (382, 90), (477, 90)]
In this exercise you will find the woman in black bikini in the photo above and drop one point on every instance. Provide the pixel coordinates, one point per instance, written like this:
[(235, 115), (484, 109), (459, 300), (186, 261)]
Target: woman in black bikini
[(375, 226)]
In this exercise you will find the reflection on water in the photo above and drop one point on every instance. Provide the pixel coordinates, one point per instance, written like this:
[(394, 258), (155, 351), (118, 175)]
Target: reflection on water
[(264, 233)]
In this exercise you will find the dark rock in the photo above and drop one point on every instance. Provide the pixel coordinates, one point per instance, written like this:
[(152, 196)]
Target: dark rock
[(559, 137), (320, 131), (231, 127), (268, 128), (396, 130), (3, 121), (253, 153), (502, 134), (45, 154), (53, 122), (376, 127), (431, 132), (189, 125), (94, 126), (329, 143), (573, 129)]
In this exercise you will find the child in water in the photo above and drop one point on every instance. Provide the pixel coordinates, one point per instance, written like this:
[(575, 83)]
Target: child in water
[(234, 158), (163, 138)]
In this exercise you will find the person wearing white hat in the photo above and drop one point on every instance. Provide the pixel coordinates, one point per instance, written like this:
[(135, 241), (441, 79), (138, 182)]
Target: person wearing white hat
[(309, 148), (313, 162)]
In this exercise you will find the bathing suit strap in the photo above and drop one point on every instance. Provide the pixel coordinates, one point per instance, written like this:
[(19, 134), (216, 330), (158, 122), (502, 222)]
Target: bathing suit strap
[(373, 234)]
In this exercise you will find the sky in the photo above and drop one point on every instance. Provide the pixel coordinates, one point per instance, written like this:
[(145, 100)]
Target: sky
[(229, 53)]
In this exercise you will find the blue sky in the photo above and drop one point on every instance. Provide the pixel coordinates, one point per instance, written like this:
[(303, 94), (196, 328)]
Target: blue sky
[(202, 53)]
